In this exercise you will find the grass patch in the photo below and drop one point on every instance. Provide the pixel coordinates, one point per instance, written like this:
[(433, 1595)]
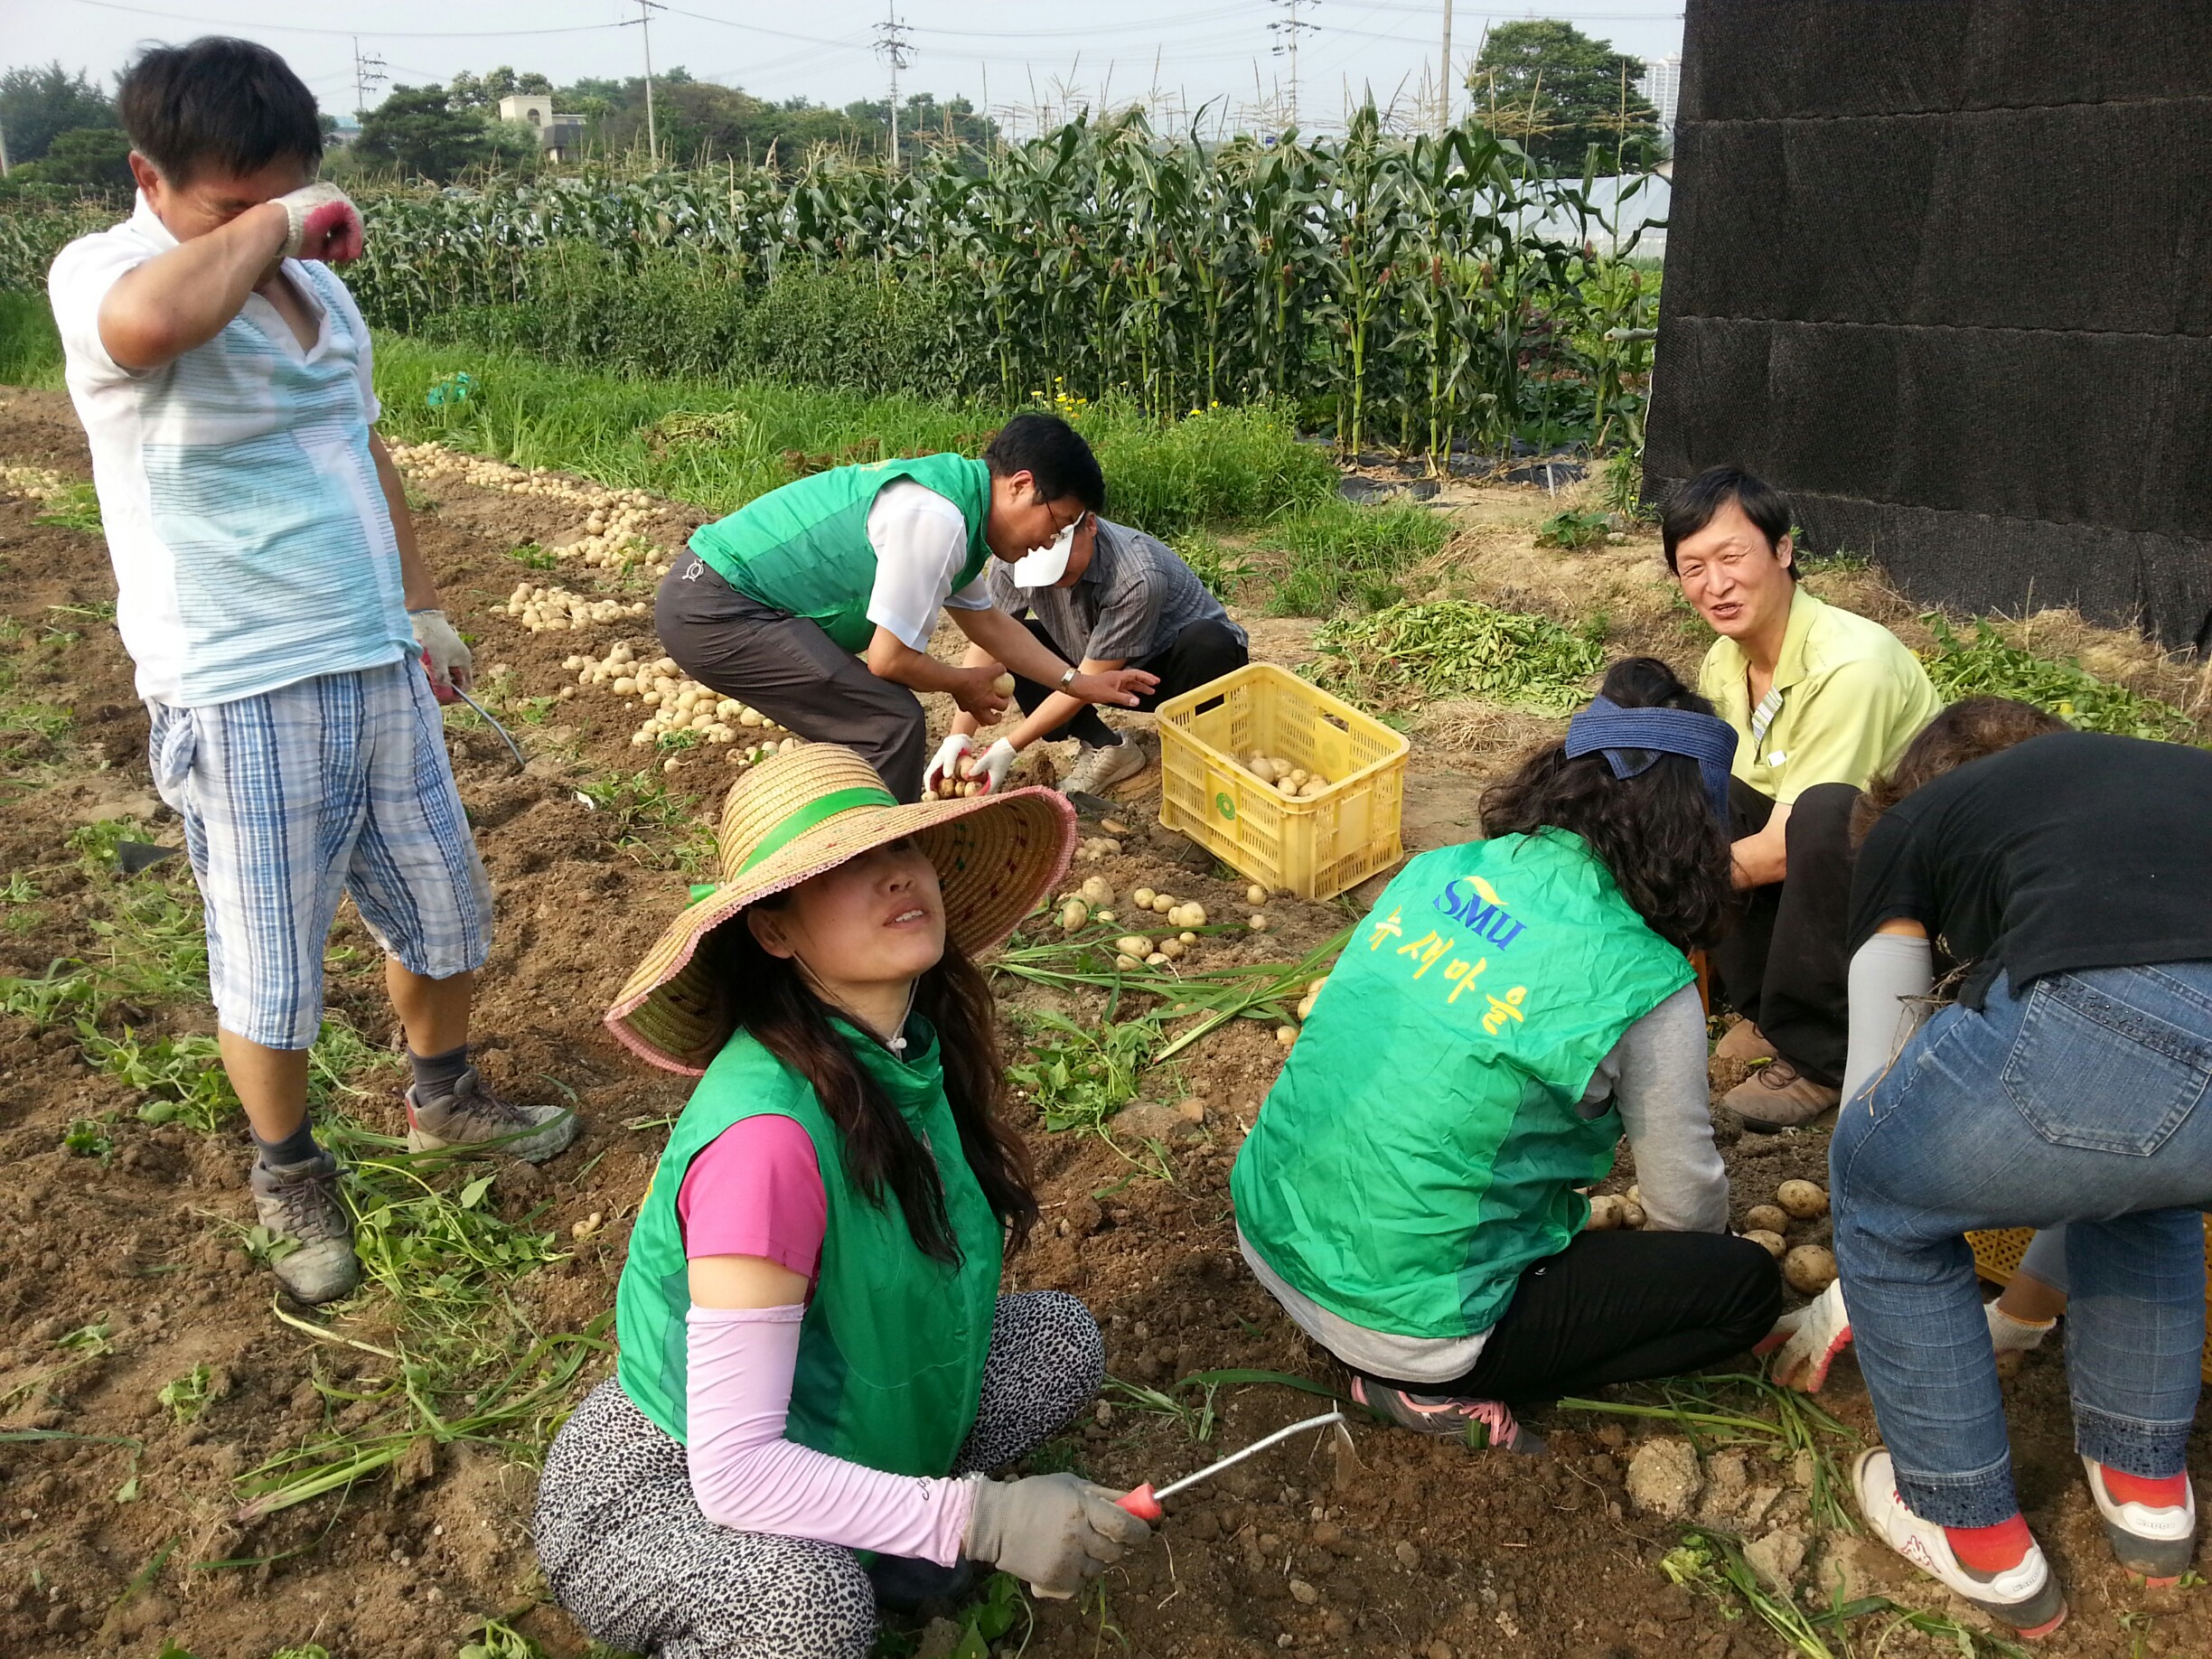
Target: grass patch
[(1408, 654), (77, 507), (651, 822), (719, 444), (1989, 665), (30, 343), (1574, 531), (1339, 554)]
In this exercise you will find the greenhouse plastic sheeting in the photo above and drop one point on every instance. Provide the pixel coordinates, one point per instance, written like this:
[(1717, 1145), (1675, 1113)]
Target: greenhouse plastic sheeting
[(1936, 270)]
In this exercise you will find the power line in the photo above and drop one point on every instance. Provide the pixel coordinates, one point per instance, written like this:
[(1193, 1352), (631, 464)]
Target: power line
[(644, 21), (367, 72), (1290, 28), (892, 46)]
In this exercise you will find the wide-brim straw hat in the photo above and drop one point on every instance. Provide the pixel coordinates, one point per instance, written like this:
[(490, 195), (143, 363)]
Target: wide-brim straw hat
[(810, 810)]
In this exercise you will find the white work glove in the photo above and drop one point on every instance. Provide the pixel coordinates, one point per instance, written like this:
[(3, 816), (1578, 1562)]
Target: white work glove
[(326, 225), (1810, 1337), (946, 763), (992, 770), (443, 654), (2010, 1336), (1054, 1531)]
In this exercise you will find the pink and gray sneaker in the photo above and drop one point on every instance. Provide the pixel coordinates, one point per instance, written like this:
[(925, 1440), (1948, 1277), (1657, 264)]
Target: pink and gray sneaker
[(1481, 1423)]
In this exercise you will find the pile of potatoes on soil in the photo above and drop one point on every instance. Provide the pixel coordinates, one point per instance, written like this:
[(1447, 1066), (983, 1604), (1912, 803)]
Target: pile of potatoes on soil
[(615, 534), (557, 610), (677, 704)]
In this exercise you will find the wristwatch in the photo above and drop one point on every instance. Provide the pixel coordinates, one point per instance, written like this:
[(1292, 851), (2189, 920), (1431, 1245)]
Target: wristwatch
[(1067, 679)]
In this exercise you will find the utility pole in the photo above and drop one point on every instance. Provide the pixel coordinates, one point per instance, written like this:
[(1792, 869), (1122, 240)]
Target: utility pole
[(892, 46), (1444, 86), (368, 72), (1290, 28), (643, 19)]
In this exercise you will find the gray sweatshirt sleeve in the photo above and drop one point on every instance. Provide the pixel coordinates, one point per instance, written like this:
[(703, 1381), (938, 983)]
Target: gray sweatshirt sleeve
[(1656, 1075), (1889, 975)]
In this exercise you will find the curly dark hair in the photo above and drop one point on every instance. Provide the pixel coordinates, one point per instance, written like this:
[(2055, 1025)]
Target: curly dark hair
[(1966, 731), (765, 996), (1656, 832)]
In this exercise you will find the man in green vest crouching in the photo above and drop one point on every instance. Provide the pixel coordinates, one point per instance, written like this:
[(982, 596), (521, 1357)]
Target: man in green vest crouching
[(816, 602)]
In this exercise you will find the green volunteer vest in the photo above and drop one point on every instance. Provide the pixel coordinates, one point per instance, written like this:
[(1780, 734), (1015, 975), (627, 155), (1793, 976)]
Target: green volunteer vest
[(804, 551), (1423, 1145), (891, 1351)]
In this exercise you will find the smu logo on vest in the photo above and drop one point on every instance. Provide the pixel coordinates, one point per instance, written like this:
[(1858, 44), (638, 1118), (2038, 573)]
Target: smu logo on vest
[(1481, 910)]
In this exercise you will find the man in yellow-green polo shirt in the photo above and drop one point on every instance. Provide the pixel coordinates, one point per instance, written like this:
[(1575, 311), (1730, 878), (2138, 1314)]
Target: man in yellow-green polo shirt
[(1821, 700)]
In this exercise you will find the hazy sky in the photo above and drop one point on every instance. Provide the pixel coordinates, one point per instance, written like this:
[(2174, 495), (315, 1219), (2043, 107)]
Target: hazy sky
[(1027, 52)]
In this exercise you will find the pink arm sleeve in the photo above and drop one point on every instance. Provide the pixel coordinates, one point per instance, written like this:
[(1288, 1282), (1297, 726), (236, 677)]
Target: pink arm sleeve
[(755, 1190), (746, 1477)]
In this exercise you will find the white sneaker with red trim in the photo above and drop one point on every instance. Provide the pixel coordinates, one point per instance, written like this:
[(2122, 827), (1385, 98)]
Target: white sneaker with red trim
[(2025, 1596)]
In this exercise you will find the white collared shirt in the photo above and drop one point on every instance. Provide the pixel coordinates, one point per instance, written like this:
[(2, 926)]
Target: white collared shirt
[(252, 545)]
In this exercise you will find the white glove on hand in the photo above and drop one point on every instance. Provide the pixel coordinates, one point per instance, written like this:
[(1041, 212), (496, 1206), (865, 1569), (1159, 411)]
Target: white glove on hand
[(1054, 1532), (443, 654), (992, 769), (945, 764), (326, 225), (1810, 1337)]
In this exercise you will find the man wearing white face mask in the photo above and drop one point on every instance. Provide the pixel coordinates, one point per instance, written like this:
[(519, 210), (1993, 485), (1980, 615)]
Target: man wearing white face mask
[(1109, 597)]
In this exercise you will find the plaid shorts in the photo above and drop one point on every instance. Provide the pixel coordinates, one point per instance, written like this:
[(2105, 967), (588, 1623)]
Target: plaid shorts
[(298, 797)]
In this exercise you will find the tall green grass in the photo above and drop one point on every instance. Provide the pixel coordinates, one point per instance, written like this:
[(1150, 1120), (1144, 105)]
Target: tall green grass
[(1224, 466), (1339, 554), (30, 345)]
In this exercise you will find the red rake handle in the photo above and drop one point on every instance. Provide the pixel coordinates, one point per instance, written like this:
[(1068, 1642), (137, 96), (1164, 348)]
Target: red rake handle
[(1142, 1504)]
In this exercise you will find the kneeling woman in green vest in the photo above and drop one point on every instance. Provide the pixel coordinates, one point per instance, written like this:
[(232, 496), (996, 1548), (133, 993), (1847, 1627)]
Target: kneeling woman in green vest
[(1506, 1012), (816, 1365)]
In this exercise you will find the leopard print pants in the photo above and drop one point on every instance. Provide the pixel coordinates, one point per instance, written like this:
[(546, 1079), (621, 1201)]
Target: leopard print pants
[(626, 1551)]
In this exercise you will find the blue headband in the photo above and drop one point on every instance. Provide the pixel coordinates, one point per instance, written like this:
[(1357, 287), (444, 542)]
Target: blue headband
[(1632, 739)]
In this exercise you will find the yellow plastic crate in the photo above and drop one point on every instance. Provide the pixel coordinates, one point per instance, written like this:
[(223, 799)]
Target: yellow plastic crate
[(1997, 1257), (1315, 848)]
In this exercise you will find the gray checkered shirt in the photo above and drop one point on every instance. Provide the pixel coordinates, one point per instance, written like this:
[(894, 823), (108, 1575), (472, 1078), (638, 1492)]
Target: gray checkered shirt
[(1128, 606)]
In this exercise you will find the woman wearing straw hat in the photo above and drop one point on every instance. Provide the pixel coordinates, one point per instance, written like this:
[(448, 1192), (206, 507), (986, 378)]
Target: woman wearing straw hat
[(816, 1364)]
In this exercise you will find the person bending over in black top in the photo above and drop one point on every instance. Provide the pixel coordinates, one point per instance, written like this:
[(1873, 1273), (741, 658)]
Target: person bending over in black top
[(2072, 877)]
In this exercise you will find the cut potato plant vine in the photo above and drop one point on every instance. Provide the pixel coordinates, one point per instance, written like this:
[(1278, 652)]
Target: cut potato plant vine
[(1410, 653)]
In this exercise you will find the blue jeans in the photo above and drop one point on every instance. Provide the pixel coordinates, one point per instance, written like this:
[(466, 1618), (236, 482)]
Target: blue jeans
[(2081, 1102)]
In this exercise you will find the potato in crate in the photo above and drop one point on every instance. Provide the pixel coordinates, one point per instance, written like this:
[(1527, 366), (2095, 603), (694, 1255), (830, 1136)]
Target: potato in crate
[(1282, 781)]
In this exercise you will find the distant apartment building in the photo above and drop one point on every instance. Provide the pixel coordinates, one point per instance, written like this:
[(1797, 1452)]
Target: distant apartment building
[(561, 136), (1662, 89)]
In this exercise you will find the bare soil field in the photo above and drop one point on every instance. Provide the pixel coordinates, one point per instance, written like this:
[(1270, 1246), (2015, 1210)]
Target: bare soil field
[(122, 1521)]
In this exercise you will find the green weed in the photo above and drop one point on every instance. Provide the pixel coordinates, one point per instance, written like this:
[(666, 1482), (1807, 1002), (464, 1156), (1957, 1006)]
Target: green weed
[(532, 557), (76, 508), (1989, 665), (96, 843), (1410, 653), (88, 1138), (30, 343), (1340, 554), (183, 1075), (1574, 531), (641, 809), (185, 1397), (1220, 567), (1079, 1075), (497, 1639)]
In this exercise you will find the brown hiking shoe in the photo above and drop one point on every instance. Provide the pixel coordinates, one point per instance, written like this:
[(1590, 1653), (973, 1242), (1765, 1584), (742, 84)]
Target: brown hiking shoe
[(1778, 1096), (299, 1203), (473, 1119), (1744, 1044)]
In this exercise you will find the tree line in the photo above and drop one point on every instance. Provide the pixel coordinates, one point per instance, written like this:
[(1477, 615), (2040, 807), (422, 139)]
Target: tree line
[(1554, 91)]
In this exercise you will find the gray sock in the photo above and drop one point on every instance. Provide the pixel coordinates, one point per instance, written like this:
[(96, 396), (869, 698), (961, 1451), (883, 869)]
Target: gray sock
[(296, 1148), (438, 1077)]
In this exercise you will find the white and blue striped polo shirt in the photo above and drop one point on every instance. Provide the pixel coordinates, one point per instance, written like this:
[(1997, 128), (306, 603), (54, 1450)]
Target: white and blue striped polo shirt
[(252, 545)]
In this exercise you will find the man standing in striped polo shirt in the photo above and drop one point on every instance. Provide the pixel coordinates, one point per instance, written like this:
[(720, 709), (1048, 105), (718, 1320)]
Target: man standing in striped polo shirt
[(271, 593)]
